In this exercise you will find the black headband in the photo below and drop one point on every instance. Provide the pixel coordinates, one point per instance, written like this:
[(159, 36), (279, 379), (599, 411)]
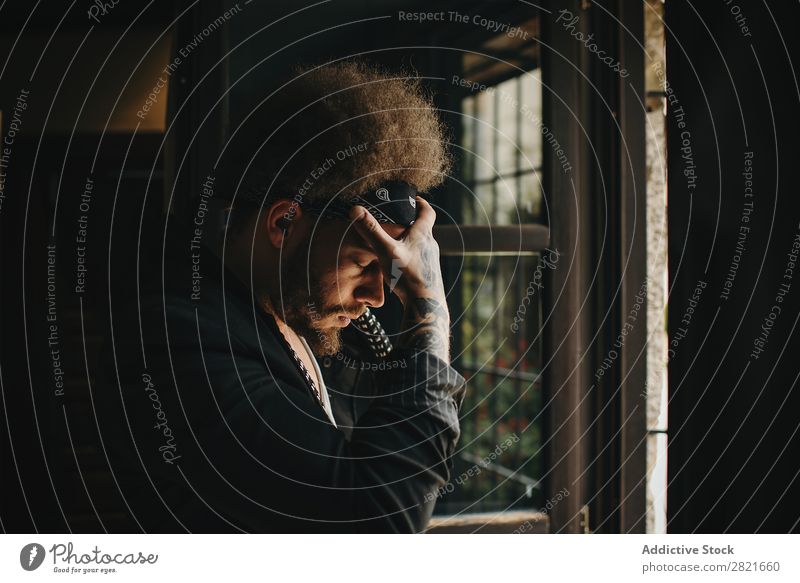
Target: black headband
[(392, 202)]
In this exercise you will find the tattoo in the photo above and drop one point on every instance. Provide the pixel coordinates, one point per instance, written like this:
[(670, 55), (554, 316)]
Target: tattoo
[(428, 268), (427, 324)]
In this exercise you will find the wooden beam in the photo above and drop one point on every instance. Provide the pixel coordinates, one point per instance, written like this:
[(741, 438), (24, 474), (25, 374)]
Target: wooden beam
[(569, 204), (457, 240), (633, 257)]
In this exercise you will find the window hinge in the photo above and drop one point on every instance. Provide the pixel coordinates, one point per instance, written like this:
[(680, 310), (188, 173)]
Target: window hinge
[(585, 519)]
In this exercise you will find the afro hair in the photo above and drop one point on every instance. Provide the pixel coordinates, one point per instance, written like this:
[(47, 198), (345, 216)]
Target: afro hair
[(338, 130)]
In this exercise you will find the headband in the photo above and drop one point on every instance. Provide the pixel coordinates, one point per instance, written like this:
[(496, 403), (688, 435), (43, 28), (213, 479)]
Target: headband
[(392, 202)]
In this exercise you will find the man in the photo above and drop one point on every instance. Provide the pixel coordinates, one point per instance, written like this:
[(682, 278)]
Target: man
[(216, 414)]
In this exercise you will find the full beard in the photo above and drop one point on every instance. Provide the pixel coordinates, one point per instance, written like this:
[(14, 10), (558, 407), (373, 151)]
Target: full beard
[(300, 303)]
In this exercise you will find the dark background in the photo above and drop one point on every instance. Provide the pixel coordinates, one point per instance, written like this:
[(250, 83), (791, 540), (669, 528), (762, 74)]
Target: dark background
[(734, 452)]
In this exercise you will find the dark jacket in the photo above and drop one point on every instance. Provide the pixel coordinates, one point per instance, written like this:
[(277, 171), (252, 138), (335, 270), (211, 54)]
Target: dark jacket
[(210, 427)]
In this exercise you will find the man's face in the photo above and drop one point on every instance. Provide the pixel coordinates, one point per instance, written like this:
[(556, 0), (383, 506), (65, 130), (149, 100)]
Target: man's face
[(328, 281)]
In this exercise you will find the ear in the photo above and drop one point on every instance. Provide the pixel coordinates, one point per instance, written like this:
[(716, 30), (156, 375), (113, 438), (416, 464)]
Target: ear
[(281, 220)]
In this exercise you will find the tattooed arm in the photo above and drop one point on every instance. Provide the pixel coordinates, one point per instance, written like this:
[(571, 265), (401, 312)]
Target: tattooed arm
[(428, 394), (427, 327), (420, 288)]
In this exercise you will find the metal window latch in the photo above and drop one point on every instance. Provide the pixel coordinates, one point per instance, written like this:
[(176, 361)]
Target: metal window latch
[(585, 519)]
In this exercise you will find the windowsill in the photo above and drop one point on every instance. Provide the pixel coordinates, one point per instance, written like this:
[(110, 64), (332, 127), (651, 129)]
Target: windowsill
[(523, 522)]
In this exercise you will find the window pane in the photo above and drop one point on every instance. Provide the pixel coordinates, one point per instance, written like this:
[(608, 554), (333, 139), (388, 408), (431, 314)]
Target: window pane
[(501, 422), (531, 135), (484, 155), (505, 124), (495, 308), (502, 155)]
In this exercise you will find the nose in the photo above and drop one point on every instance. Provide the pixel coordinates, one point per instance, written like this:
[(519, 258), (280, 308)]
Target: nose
[(370, 290)]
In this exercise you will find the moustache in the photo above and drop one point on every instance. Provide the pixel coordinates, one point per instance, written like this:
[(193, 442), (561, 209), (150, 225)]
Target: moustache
[(353, 312)]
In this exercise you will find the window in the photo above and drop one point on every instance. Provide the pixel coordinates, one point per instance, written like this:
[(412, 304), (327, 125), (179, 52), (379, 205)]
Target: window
[(495, 298)]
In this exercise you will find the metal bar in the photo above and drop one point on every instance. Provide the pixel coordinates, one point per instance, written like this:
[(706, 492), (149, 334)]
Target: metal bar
[(529, 483), (495, 271), (507, 175), (506, 372), (520, 287)]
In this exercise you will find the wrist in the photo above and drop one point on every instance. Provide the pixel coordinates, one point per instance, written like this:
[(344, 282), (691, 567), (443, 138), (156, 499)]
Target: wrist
[(426, 324), (407, 295)]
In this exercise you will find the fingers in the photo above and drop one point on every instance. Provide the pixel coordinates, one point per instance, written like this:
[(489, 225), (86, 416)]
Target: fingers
[(426, 216), (368, 227)]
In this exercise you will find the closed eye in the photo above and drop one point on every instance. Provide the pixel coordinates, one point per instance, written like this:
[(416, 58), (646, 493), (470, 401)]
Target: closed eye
[(363, 259), (367, 267)]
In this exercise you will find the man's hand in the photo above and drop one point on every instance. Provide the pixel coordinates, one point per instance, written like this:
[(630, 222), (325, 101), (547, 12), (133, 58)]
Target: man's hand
[(412, 265)]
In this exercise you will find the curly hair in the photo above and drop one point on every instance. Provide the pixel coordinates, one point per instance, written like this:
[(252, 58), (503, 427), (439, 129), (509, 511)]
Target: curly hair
[(338, 130)]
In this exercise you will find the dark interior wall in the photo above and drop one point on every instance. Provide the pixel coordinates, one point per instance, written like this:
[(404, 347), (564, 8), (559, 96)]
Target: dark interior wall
[(77, 85), (733, 412), (266, 47)]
